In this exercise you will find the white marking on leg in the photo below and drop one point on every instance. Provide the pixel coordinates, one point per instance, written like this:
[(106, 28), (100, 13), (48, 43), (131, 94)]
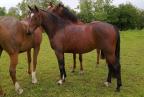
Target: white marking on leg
[(18, 89), (106, 84), (81, 72), (63, 77), (60, 82), (34, 79)]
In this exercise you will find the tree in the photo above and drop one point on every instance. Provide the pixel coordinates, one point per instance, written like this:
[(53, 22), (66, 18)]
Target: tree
[(140, 20), (94, 9), (128, 16), (2, 11), (13, 11), (23, 6)]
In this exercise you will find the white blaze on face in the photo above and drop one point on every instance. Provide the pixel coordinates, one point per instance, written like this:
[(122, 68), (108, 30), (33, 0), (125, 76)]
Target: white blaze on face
[(49, 7), (32, 14)]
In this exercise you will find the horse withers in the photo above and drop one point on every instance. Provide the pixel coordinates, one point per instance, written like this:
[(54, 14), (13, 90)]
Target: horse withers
[(14, 39), (66, 37)]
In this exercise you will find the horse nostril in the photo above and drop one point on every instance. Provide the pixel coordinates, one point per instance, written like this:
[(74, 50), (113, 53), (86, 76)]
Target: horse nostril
[(29, 32)]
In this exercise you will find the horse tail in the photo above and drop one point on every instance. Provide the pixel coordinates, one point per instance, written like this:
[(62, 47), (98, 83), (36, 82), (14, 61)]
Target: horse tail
[(117, 51)]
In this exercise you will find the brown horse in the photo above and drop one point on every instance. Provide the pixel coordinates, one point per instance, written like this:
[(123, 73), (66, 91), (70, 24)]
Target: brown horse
[(14, 39), (64, 13), (67, 37), (37, 42)]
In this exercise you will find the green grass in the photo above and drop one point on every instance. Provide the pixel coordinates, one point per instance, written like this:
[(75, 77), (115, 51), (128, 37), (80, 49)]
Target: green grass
[(88, 85)]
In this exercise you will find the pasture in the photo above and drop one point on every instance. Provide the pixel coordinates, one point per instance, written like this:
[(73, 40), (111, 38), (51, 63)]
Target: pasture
[(90, 84)]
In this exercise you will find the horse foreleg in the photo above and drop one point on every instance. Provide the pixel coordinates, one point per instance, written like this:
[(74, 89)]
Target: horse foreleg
[(12, 70), (81, 66), (74, 62), (29, 61), (35, 55), (61, 62)]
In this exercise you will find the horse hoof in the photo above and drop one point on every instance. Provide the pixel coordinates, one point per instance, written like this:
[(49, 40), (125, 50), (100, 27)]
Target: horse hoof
[(34, 81), (117, 90), (106, 84), (19, 91), (60, 82), (81, 72)]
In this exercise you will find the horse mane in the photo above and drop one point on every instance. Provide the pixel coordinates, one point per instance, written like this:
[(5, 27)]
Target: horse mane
[(52, 16), (69, 14), (55, 19)]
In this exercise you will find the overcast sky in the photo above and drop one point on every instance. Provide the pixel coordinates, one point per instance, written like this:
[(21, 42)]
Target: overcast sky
[(72, 3)]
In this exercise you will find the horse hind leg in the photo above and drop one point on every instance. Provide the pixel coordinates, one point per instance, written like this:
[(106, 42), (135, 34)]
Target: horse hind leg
[(98, 53), (114, 70), (74, 63), (81, 65), (12, 70)]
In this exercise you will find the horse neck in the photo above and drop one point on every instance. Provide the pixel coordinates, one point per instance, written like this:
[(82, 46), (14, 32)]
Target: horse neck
[(51, 24)]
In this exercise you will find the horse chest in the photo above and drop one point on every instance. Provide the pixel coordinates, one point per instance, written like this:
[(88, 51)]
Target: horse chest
[(27, 44)]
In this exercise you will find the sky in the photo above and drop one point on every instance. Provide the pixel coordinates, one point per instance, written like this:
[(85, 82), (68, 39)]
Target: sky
[(72, 3)]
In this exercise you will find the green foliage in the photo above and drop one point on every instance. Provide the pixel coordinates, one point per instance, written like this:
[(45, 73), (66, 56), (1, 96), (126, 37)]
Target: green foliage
[(2, 11), (128, 16), (13, 11), (140, 20), (125, 16), (23, 6)]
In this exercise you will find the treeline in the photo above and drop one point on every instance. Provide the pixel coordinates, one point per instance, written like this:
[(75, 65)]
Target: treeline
[(125, 16)]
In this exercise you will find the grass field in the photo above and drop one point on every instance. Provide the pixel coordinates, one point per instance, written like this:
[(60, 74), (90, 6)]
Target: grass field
[(90, 84)]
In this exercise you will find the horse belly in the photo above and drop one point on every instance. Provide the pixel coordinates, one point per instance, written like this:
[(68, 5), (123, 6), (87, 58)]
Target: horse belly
[(80, 44)]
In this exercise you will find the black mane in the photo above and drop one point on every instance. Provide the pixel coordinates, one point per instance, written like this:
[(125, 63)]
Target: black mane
[(69, 14)]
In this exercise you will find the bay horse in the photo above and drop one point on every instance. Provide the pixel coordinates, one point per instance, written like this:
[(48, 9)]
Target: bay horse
[(64, 13), (67, 37), (15, 39)]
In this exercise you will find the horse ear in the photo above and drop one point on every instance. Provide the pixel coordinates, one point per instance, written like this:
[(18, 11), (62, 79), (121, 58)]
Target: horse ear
[(30, 8), (61, 4), (36, 8)]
